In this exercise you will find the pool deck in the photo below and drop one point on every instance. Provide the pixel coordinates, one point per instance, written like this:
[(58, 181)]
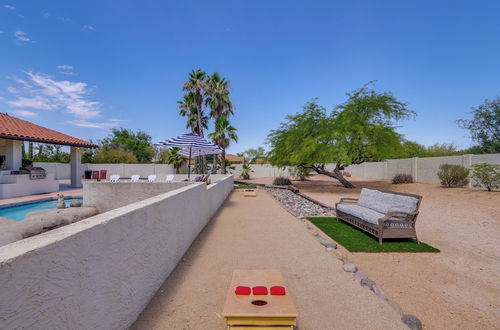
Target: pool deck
[(63, 188)]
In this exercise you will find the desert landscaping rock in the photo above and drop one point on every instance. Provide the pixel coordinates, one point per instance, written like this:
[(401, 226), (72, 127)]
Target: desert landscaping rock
[(367, 282), (379, 292), (297, 205), (412, 322), (360, 275), (75, 203), (396, 307), (351, 268), (327, 243)]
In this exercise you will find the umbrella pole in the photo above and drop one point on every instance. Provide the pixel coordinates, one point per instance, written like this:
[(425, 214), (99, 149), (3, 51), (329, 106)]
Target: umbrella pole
[(189, 163)]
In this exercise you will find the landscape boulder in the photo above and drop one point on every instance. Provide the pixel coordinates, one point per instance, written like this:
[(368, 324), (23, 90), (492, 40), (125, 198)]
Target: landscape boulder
[(350, 268), (367, 282), (75, 203), (7, 237), (4, 221), (412, 322), (41, 221), (68, 215)]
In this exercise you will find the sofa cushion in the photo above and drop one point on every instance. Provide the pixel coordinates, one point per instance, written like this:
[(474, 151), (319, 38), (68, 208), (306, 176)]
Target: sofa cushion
[(383, 202), (361, 212)]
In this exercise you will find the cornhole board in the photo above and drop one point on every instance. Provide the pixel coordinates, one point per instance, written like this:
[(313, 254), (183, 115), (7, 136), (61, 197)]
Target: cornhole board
[(249, 193), (278, 314)]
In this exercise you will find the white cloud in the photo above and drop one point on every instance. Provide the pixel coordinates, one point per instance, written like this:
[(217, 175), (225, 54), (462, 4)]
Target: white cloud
[(65, 69), (35, 102), (45, 14), (9, 7), (92, 124), (87, 28), (22, 36), (42, 92), (39, 91), (25, 113)]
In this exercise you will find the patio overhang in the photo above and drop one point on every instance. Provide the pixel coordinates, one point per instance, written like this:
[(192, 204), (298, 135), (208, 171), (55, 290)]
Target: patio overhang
[(13, 128), (15, 131)]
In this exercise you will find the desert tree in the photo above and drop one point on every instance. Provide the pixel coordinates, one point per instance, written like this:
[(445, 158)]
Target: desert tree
[(484, 127), (361, 129)]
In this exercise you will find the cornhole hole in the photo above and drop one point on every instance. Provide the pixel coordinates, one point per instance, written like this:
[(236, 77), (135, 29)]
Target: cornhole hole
[(272, 308), (250, 193)]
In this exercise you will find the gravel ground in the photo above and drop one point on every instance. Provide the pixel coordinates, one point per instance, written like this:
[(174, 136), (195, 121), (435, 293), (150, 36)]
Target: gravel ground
[(298, 205)]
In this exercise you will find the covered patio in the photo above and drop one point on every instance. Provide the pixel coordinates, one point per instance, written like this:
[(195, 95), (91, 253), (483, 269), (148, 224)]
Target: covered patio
[(13, 132)]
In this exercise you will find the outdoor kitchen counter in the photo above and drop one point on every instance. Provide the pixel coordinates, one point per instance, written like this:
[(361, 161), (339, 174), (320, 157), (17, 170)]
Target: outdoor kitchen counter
[(15, 185)]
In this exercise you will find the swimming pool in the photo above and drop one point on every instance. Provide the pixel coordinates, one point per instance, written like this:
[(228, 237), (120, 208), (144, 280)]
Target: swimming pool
[(19, 212)]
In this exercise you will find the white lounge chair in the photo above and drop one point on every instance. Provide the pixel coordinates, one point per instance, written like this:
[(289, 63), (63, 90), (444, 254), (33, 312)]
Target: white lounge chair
[(170, 178), (114, 178), (135, 178), (151, 178)]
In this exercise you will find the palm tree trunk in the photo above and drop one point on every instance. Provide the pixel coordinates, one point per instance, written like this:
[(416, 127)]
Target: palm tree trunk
[(223, 160), (214, 169), (199, 105)]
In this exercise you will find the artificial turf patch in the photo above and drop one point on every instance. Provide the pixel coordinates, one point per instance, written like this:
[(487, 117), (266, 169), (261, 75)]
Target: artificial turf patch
[(356, 240), (243, 187)]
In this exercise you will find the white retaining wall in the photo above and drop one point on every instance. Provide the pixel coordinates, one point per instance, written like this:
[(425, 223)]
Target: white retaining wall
[(101, 272), (423, 169)]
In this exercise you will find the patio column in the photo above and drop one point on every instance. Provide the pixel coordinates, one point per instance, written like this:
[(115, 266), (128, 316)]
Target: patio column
[(76, 167), (13, 154)]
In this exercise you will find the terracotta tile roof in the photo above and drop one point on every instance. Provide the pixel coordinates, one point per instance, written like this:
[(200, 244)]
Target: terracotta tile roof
[(234, 158), (18, 129)]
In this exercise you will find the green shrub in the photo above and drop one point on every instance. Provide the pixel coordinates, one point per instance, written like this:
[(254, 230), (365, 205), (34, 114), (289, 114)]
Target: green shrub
[(486, 175), (282, 181), (299, 172), (453, 175), (402, 178)]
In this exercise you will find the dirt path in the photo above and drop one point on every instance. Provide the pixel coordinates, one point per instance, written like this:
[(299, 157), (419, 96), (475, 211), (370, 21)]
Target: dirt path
[(257, 233), (457, 288)]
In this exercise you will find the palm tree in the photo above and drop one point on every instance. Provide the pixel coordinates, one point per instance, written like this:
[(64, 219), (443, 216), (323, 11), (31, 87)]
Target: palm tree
[(217, 93), (223, 135), (187, 108), (196, 85), (173, 157)]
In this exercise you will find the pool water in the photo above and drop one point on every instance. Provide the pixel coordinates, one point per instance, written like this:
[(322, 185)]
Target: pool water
[(20, 211)]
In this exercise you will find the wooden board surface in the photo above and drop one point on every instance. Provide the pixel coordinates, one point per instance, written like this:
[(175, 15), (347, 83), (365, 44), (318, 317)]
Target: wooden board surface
[(241, 305)]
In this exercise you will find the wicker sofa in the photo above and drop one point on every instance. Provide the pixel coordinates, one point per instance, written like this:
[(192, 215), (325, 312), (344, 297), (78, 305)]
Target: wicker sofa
[(383, 214)]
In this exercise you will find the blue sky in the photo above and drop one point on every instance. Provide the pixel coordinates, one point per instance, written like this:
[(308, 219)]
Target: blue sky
[(82, 67)]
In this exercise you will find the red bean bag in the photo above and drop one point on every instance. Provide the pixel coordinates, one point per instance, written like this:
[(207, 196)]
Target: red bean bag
[(259, 290), (278, 291), (242, 290)]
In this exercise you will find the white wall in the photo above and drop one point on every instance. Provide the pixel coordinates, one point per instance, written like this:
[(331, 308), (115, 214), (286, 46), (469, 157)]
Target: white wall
[(423, 169), (101, 272), (106, 196), (261, 171), (63, 171), (21, 185)]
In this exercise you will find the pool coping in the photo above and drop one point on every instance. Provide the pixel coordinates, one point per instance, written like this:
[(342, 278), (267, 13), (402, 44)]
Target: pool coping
[(32, 201)]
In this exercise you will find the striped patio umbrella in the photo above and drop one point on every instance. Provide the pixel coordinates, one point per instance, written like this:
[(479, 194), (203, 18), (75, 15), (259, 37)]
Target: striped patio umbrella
[(192, 145)]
